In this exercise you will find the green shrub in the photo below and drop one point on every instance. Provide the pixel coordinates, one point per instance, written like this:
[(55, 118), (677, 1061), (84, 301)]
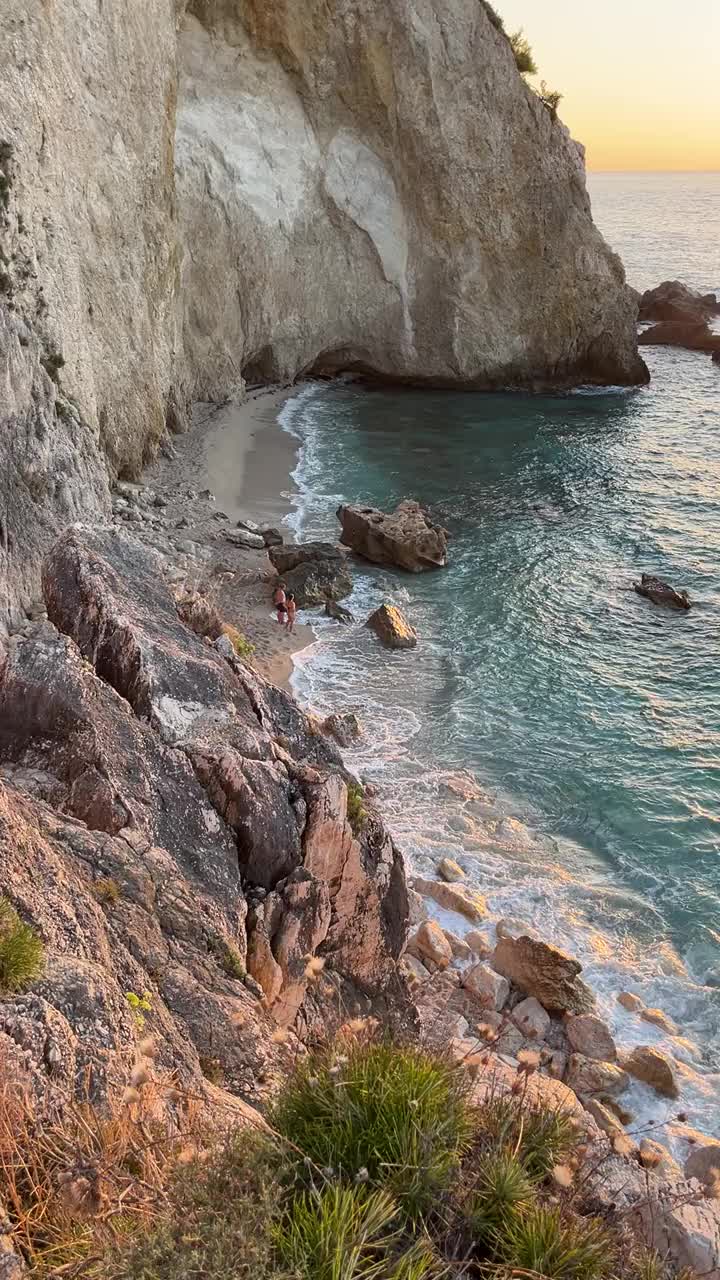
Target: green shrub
[(395, 1117), (524, 60), (550, 99), (242, 646), (229, 958), (540, 1138), (542, 1241), (356, 811), (347, 1233), (22, 954), (140, 1005), (503, 1188)]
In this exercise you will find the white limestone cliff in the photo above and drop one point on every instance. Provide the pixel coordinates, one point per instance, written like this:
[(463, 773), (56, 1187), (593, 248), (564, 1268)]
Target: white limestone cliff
[(197, 192)]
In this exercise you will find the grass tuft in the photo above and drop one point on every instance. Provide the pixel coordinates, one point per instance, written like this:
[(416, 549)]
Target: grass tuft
[(356, 811), (542, 1241), (347, 1233), (503, 1189), (523, 54), (242, 646), (395, 1117), (541, 1138), (22, 954), (106, 891)]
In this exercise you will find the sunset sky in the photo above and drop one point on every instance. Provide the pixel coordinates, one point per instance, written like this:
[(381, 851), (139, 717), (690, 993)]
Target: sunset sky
[(641, 78)]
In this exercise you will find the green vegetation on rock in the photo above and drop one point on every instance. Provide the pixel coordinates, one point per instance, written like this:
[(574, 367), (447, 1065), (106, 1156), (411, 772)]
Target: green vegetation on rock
[(22, 955)]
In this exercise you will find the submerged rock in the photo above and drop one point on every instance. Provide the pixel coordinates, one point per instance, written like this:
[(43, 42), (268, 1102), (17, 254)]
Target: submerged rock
[(392, 628), (661, 592), (406, 538)]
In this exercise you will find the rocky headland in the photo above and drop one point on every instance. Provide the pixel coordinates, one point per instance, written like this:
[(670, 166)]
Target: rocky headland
[(195, 197)]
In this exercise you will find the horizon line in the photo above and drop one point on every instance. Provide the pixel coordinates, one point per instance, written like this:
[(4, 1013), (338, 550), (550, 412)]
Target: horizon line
[(633, 169)]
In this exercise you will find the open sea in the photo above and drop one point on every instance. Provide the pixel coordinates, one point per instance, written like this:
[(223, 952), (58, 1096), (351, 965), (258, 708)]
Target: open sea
[(588, 719)]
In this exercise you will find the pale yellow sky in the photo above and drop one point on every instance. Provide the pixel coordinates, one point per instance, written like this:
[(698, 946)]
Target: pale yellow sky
[(641, 78)]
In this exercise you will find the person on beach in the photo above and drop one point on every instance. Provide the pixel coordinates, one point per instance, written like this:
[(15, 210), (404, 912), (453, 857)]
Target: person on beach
[(291, 606), (280, 604)]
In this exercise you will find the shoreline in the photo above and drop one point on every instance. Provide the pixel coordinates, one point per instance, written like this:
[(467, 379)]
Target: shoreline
[(254, 457), (242, 456)]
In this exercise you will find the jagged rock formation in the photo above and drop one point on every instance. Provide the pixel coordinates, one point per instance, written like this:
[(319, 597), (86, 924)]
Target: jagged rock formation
[(168, 821), (219, 189)]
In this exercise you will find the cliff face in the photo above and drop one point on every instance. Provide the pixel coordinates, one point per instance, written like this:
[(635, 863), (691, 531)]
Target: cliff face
[(371, 187)]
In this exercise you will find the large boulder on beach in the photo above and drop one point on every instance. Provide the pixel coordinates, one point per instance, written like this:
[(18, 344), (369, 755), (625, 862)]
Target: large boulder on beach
[(694, 335), (406, 537), (672, 300), (317, 581), (544, 972), (288, 556), (392, 628)]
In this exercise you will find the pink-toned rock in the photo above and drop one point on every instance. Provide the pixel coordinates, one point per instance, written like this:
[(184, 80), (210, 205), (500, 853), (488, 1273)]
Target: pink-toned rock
[(591, 1036), (687, 1233), (588, 1076), (659, 1019), (489, 988), (414, 969), (654, 1068), (454, 897), (478, 943), (430, 945), (703, 1163), (544, 972), (531, 1018), (460, 948)]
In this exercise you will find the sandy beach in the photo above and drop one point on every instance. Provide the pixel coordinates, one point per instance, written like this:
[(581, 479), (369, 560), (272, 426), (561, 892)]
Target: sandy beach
[(241, 455)]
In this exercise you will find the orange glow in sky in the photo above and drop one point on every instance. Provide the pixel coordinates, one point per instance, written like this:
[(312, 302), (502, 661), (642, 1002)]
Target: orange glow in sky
[(640, 78)]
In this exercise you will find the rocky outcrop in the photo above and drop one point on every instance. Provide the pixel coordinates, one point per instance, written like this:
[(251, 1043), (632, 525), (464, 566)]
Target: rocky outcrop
[(544, 972), (672, 300), (191, 788), (392, 628), (694, 335), (661, 592), (406, 538), (316, 572)]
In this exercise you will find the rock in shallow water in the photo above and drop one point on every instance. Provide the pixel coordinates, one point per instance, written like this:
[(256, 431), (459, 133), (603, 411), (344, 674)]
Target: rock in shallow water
[(406, 538), (392, 628)]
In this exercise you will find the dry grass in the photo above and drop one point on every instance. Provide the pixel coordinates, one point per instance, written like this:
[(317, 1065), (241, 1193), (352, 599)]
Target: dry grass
[(81, 1180)]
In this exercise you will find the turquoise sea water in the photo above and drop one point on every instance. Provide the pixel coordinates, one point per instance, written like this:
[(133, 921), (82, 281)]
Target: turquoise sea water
[(588, 718)]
